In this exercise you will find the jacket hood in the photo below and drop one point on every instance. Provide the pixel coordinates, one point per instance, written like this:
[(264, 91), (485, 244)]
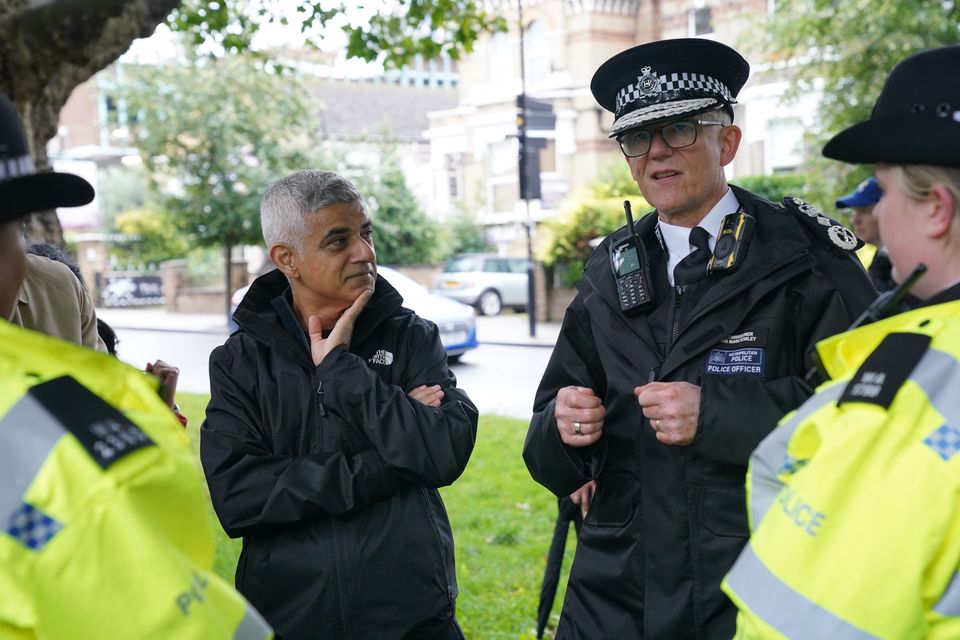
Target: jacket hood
[(256, 316)]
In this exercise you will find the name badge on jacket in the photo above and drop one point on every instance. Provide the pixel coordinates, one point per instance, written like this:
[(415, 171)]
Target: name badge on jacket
[(740, 354)]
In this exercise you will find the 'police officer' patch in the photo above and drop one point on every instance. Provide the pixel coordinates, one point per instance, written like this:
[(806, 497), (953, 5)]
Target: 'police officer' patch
[(748, 361)]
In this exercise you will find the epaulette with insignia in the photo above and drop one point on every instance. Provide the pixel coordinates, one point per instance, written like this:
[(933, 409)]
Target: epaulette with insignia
[(837, 234)]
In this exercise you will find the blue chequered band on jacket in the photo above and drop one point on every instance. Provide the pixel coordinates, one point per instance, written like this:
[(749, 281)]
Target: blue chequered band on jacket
[(672, 82), (32, 527), (944, 440)]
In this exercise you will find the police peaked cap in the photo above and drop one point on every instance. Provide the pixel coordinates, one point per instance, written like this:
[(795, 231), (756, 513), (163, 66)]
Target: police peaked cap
[(916, 119), (668, 79), (23, 190)]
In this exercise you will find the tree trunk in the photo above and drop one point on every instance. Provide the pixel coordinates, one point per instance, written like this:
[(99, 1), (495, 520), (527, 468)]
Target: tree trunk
[(48, 47)]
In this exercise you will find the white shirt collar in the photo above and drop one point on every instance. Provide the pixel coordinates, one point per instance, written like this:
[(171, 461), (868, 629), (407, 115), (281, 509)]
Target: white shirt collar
[(677, 239)]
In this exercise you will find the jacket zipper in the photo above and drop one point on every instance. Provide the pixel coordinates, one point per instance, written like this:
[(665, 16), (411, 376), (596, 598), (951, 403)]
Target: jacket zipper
[(436, 532), (338, 561), (678, 300), (320, 407), (341, 579)]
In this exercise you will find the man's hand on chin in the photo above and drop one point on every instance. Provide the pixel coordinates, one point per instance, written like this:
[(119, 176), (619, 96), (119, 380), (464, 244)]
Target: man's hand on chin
[(342, 329)]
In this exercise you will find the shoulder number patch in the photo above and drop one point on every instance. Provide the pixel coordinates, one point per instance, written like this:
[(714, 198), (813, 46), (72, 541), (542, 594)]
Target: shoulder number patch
[(884, 371), (104, 432)]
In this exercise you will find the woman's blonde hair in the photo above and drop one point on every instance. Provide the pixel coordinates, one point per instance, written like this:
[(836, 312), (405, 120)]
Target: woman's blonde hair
[(918, 181)]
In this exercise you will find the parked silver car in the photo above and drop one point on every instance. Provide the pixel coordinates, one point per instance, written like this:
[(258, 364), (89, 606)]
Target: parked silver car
[(486, 281)]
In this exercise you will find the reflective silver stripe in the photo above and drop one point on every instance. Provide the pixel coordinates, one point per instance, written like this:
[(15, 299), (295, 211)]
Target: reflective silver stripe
[(27, 435), (253, 626), (769, 456), (938, 374), (777, 604), (949, 603)]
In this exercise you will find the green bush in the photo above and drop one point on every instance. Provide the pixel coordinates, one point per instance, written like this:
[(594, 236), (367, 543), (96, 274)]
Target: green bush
[(592, 212), (464, 235), (153, 237), (774, 187)]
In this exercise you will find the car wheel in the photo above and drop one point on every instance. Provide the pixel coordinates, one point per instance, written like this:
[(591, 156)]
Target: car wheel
[(489, 304), (454, 359)]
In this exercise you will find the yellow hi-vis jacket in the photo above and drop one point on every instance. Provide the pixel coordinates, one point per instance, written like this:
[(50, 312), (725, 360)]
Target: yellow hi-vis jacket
[(866, 254), (105, 530), (854, 499)]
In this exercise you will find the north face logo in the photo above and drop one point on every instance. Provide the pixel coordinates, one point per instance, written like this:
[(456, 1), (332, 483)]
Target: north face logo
[(381, 357)]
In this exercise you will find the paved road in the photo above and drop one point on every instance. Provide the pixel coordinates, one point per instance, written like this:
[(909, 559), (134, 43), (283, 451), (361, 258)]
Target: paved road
[(500, 379)]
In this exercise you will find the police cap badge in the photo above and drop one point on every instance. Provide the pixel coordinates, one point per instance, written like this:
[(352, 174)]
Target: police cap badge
[(667, 79)]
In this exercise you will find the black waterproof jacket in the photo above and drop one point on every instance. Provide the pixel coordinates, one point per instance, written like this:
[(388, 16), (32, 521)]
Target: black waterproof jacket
[(667, 522), (330, 473)]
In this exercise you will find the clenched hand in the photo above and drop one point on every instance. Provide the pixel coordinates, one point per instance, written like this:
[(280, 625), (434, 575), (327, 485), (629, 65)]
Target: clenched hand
[(579, 414), (673, 409)]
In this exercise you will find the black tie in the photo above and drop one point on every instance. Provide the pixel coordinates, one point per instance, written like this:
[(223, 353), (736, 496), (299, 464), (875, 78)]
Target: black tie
[(693, 268)]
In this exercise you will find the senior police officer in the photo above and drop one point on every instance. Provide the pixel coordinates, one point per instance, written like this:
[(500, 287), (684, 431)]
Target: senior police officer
[(854, 498), (104, 525), (663, 405)]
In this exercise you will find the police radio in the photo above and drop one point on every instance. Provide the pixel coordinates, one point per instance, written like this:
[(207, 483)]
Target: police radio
[(731, 246), (631, 269)]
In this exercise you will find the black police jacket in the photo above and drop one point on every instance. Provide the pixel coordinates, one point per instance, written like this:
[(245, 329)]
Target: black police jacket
[(667, 522), (330, 473)]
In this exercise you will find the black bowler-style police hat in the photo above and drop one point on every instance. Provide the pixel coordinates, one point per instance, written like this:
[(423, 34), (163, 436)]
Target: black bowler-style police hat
[(916, 119), (666, 79), (23, 189)]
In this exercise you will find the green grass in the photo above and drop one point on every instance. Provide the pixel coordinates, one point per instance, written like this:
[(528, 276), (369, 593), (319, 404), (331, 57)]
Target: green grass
[(502, 524)]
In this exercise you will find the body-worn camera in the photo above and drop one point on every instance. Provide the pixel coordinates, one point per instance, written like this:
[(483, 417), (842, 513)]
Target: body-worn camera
[(731, 246)]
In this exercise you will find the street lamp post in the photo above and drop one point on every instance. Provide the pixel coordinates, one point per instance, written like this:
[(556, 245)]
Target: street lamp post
[(522, 139)]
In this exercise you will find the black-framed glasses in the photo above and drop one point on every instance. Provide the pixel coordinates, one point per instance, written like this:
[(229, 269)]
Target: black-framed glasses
[(676, 135)]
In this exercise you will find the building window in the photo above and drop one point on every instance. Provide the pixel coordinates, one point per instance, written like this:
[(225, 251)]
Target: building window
[(701, 21), (548, 157), (503, 158), (784, 144), (536, 52), (454, 163), (505, 196), (499, 56)]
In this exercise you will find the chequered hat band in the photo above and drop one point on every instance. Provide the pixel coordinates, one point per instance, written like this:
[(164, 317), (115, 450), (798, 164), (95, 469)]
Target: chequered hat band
[(18, 167), (646, 91)]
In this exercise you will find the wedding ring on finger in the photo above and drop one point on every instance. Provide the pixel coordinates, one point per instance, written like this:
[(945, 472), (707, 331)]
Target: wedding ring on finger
[(576, 429), (656, 427)]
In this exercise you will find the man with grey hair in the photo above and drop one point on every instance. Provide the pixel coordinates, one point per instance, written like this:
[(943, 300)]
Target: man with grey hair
[(332, 421)]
